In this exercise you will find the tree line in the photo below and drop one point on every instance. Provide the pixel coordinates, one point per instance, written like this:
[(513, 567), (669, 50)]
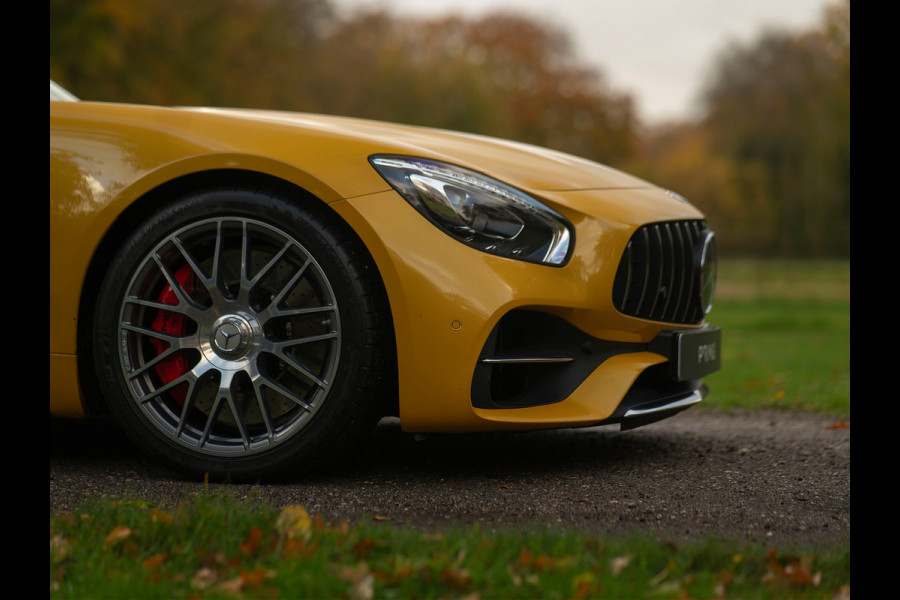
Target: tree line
[(768, 160)]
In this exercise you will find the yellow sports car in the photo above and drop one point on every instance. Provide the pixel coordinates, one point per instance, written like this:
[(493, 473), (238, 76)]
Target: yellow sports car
[(248, 292)]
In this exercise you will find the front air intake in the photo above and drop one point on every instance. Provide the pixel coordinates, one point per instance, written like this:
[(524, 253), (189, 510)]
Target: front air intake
[(659, 276)]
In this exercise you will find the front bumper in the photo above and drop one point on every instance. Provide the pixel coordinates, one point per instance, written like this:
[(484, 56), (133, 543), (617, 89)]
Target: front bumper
[(534, 360), (457, 313)]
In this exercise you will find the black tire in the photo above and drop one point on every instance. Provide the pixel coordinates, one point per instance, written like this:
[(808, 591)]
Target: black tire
[(243, 369)]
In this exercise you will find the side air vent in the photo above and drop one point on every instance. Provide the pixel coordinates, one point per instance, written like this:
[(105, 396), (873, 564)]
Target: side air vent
[(661, 272), (533, 358)]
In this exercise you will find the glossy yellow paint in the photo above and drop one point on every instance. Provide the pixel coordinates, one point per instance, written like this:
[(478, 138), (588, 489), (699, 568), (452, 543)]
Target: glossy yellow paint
[(445, 297), (441, 331), (593, 400)]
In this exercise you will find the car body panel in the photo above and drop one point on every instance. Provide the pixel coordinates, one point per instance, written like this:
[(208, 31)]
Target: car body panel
[(440, 332), (445, 297)]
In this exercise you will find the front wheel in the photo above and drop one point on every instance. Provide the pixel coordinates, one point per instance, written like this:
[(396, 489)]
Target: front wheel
[(238, 335)]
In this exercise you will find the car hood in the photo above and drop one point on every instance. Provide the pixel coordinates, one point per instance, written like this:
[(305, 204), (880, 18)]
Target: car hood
[(518, 164)]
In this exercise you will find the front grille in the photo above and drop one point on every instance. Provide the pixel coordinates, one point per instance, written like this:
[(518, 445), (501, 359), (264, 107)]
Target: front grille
[(659, 274)]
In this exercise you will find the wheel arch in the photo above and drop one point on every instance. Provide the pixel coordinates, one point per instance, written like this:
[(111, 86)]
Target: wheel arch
[(153, 200)]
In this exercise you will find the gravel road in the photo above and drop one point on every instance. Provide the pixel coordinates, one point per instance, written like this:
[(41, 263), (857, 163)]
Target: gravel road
[(770, 477)]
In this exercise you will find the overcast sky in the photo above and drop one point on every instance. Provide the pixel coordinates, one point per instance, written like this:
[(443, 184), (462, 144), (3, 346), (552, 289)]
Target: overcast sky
[(658, 51)]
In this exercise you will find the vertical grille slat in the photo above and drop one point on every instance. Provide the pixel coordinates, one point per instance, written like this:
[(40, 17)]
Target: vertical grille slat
[(643, 268), (657, 277), (679, 284), (670, 258), (660, 255)]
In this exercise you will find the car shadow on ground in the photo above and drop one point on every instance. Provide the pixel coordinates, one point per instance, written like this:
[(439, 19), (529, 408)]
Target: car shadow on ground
[(393, 451), (390, 452)]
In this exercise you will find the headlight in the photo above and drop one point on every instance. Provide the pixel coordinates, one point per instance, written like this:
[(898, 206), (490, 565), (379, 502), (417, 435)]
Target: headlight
[(479, 211)]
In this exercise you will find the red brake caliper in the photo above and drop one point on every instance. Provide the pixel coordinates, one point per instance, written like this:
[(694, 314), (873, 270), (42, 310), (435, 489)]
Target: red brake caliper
[(172, 323)]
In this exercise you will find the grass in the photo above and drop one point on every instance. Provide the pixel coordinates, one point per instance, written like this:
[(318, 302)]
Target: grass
[(784, 281), (786, 331), (218, 547), (786, 336)]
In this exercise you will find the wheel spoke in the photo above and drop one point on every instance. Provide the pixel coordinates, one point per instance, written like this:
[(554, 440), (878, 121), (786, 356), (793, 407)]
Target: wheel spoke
[(290, 284), (264, 410), (244, 287), (298, 312), (155, 304), (210, 421), (192, 378), (153, 362), (175, 342), (281, 346), (216, 272), (208, 281), (252, 283), (184, 299), (226, 391), (187, 407), (263, 381), (279, 349), (186, 378)]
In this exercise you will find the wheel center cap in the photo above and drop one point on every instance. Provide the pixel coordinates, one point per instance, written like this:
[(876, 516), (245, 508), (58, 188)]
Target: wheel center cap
[(232, 335)]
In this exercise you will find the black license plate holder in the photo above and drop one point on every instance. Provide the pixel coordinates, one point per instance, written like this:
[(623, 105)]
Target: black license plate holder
[(697, 353)]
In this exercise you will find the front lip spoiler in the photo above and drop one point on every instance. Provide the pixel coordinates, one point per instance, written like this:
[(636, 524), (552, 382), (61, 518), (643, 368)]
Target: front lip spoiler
[(681, 404), (650, 412)]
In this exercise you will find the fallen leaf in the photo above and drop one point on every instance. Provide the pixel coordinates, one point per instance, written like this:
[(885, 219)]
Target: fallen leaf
[(842, 424), (458, 579), (117, 535), (361, 579), (800, 572), (843, 593), (380, 518), (293, 548), (158, 516), (59, 548), (232, 586), (394, 577), (721, 586), (294, 522), (363, 547), (583, 586), (204, 578), (251, 544), (256, 576), (154, 561), (544, 562), (525, 558), (619, 563), (354, 574), (796, 571)]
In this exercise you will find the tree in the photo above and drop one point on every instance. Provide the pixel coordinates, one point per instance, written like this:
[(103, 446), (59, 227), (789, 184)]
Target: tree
[(503, 74), (779, 110), (216, 52)]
